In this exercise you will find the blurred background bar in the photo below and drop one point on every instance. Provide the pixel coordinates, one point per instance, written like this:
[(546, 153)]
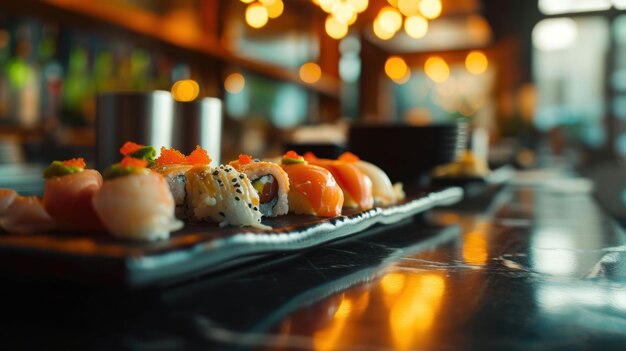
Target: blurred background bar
[(540, 81)]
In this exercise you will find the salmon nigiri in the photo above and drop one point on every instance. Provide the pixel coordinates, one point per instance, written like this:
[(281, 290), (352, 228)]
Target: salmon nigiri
[(356, 185), (67, 195), (385, 193), (312, 190)]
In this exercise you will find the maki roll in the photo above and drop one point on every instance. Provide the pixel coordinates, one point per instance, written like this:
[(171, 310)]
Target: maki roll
[(135, 202), (173, 165), (68, 191), (23, 214), (206, 194), (222, 195), (383, 191), (312, 189), (270, 181), (356, 185)]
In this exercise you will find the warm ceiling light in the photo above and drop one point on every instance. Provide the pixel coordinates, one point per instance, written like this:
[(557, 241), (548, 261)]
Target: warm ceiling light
[(185, 90), (256, 15), (268, 3), (409, 7), (327, 5), (359, 5), (393, 3), (310, 72), (334, 28), (430, 9), (247, 1), (395, 67), (416, 26), (380, 32), (276, 9), (234, 83), (343, 11), (476, 62), (390, 19), (437, 69)]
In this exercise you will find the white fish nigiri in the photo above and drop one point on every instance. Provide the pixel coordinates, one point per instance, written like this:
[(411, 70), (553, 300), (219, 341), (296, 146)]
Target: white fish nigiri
[(136, 203)]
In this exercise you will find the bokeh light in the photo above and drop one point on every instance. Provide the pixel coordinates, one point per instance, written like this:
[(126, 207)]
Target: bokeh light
[(327, 5), (416, 26), (359, 5), (389, 19), (476, 62), (185, 90), (380, 32), (310, 72), (408, 7), (334, 28), (430, 9), (275, 9), (234, 83), (395, 67), (343, 11), (437, 69), (256, 15)]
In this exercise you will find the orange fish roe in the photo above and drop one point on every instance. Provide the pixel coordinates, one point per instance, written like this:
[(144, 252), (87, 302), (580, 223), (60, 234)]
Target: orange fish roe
[(129, 148), (244, 159), (170, 156), (75, 162), (349, 157), (198, 156), (133, 162), (292, 154), (309, 156)]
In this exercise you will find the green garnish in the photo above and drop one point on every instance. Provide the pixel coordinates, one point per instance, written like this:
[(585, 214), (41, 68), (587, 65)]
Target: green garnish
[(58, 169), (291, 161), (147, 153), (117, 170)]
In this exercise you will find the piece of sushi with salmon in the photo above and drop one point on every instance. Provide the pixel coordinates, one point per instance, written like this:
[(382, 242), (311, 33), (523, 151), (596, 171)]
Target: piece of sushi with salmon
[(385, 193), (312, 189), (209, 194), (23, 214), (68, 191), (356, 185), (135, 202), (269, 180)]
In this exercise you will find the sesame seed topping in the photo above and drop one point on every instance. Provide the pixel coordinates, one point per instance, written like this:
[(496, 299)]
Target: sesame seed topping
[(249, 205), (234, 180), (242, 176), (239, 191), (237, 198), (215, 173), (255, 208)]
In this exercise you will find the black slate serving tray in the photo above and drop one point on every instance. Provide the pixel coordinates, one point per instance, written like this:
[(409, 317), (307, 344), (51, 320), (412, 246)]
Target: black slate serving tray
[(196, 249)]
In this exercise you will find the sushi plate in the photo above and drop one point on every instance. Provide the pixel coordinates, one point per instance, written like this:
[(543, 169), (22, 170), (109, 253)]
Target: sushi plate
[(194, 250)]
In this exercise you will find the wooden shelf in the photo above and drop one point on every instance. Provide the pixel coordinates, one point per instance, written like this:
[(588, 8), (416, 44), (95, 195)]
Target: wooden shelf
[(149, 28)]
